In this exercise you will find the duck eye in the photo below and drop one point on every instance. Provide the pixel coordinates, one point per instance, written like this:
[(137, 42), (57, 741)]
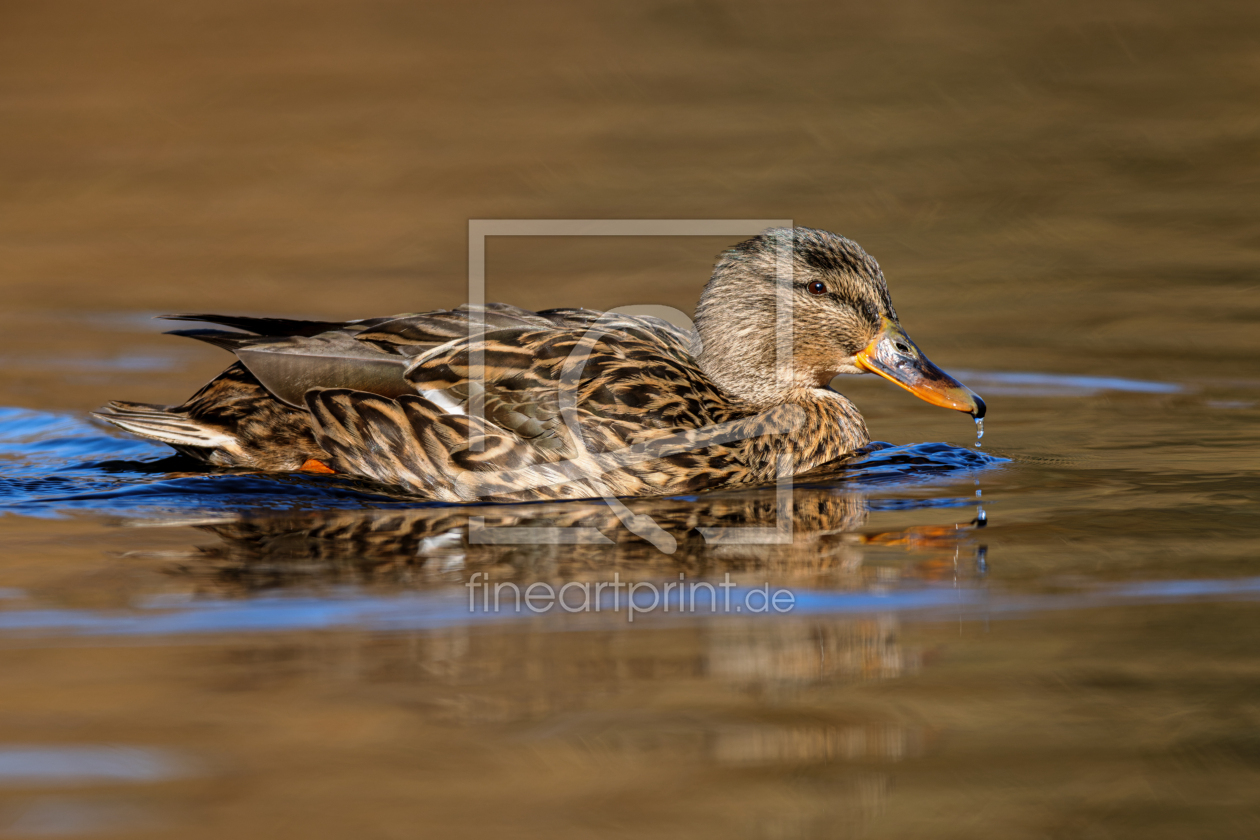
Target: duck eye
[(817, 288)]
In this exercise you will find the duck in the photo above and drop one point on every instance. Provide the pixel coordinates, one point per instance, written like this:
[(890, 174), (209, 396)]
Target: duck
[(494, 403)]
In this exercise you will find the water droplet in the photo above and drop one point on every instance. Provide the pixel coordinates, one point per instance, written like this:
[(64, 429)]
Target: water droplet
[(979, 430)]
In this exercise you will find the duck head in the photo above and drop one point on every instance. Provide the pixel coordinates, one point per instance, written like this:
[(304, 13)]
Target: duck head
[(833, 295)]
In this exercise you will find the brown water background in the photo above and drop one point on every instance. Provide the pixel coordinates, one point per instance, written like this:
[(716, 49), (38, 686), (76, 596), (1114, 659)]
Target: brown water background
[(1068, 190)]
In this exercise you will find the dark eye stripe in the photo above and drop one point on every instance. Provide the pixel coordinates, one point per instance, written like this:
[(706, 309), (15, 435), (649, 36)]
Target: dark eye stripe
[(831, 293), (863, 308)]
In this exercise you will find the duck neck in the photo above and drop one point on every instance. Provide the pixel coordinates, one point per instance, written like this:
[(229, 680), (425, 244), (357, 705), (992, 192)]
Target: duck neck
[(738, 337), (740, 370), (740, 361)]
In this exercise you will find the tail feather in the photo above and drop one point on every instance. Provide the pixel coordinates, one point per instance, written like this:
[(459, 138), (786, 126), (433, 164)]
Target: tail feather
[(231, 422), (159, 422), (264, 326), (219, 338)]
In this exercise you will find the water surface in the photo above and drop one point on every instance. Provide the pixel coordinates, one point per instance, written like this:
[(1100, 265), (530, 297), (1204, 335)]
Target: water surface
[(1053, 635)]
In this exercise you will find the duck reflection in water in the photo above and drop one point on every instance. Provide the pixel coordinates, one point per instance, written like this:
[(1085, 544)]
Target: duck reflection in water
[(828, 542)]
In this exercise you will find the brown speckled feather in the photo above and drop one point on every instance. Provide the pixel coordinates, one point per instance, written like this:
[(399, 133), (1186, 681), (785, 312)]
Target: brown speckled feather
[(571, 413)]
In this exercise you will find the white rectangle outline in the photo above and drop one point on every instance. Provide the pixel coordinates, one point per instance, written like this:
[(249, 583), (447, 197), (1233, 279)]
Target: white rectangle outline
[(479, 229)]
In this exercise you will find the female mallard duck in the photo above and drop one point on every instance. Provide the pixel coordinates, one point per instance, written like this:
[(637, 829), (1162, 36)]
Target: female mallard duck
[(567, 403)]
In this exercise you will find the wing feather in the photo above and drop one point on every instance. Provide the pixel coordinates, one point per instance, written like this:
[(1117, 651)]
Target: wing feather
[(559, 404)]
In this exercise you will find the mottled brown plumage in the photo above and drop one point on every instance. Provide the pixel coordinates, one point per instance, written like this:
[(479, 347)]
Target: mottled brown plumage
[(498, 403)]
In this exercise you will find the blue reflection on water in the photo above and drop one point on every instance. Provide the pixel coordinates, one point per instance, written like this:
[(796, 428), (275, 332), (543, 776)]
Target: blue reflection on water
[(435, 610), (125, 362), (917, 463), (76, 765), (1057, 385)]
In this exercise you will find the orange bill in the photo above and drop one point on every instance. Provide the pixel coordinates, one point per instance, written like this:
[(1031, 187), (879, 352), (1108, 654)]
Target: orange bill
[(895, 357)]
